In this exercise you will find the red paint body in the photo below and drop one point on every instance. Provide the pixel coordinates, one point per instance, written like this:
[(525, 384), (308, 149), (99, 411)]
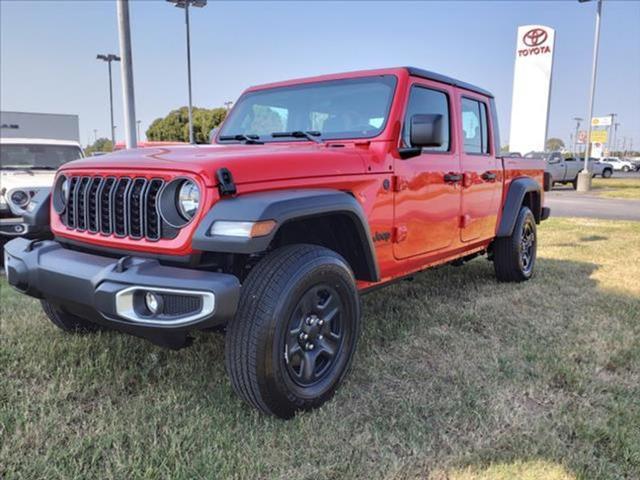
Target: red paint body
[(431, 222)]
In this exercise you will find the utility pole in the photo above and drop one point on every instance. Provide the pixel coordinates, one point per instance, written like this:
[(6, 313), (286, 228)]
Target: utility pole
[(95, 135), (126, 72), (615, 135), (575, 137), (613, 119), (186, 4), (138, 125), (110, 57), (584, 177)]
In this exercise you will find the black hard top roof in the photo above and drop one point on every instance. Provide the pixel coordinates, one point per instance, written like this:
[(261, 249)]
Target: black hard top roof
[(418, 72)]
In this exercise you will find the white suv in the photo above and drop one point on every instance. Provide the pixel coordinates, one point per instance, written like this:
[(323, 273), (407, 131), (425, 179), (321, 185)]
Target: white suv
[(27, 165), (617, 164)]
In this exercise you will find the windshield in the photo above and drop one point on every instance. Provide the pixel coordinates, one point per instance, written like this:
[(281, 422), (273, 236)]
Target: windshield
[(339, 109), (30, 156)]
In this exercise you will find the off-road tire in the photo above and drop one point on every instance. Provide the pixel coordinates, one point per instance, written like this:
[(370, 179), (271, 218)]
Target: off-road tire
[(508, 259), (66, 321), (574, 183), (256, 351), (606, 173)]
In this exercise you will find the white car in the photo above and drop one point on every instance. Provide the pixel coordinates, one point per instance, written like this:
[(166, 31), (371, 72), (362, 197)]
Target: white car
[(617, 164), (28, 165)]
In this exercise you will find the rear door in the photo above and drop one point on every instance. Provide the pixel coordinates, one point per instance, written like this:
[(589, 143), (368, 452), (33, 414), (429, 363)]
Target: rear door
[(426, 205), (482, 181)]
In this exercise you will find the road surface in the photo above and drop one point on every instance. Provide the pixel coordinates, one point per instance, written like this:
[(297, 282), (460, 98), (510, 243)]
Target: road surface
[(568, 203)]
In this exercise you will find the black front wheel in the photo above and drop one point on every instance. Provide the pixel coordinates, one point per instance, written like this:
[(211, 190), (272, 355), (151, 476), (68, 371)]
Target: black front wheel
[(515, 256), (607, 173), (293, 338)]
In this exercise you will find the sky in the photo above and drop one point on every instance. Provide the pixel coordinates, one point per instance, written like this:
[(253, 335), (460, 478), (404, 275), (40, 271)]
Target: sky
[(48, 50)]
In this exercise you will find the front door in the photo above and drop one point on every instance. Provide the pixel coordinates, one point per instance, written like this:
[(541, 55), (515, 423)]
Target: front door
[(482, 182), (427, 207)]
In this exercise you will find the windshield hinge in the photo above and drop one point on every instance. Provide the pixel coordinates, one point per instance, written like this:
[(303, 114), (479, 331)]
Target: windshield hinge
[(226, 185)]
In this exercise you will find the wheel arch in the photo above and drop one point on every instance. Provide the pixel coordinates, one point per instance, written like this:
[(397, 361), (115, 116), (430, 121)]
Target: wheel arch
[(326, 217), (523, 191)]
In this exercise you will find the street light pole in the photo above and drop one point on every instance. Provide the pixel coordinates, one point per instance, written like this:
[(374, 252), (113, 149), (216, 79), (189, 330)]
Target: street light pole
[(126, 72), (110, 57), (186, 4), (615, 135), (575, 137), (138, 125), (584, 177)]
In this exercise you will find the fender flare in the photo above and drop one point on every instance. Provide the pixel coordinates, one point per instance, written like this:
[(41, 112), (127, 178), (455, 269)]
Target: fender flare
[(518, 188), (282, 206)]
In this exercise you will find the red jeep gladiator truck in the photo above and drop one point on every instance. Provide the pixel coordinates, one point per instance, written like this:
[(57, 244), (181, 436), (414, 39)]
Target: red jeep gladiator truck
[(313, 192)]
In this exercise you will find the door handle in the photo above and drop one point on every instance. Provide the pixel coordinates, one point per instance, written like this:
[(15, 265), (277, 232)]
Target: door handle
[(453, 177), (489, 176)]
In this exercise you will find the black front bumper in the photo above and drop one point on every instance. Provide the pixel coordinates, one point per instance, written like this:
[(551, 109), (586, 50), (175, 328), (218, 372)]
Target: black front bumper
[(97, 287)]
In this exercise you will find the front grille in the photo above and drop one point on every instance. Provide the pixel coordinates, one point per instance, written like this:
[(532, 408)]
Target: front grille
[(124, 207)]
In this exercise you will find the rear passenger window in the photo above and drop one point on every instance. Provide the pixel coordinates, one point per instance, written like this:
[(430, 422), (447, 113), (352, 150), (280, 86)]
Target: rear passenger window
[(475, 126), (426, 101)]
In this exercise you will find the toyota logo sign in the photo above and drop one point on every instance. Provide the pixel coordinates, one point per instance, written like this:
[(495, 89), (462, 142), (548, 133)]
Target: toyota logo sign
[(535, 37)]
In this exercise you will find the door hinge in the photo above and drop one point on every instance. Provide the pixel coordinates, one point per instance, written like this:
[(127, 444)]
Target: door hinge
[(400, 233), (398, 183)]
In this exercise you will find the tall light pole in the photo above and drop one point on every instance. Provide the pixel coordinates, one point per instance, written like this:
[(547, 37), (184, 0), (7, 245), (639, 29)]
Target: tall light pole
[(575, 137), (584, 177), (613, 119), (186, 4), (138, 125), (126, 73), (615, 135), (110, 57)]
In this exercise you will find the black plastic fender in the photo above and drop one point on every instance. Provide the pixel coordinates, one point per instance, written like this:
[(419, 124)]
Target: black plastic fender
[(282, 206), (518, 188)]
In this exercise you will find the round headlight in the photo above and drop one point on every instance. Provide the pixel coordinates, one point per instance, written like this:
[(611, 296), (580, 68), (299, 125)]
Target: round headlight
[(64, 189), (20, 198), (188, 199)]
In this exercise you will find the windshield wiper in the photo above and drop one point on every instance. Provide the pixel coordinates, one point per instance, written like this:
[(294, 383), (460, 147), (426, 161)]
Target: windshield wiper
[(308, 134), (241, 137)]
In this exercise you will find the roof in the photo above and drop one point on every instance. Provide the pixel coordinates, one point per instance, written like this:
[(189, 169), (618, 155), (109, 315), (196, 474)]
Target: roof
[(418, 72), (38, 141)]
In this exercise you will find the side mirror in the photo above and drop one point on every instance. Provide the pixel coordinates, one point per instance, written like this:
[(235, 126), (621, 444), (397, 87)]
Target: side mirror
[(425, 130)]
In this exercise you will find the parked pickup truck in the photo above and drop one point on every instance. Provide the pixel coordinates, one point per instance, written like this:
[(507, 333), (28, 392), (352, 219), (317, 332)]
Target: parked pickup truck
[(314, 192), (559, 169)]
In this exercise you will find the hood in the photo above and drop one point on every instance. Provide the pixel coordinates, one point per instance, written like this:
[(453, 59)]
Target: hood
[(247, 163), (10, 179)]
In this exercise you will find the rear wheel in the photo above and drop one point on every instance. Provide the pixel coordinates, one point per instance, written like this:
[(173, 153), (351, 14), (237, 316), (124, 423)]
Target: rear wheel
[(626, 169), (574, 183), (294, 335), (606, 173), (66, 321), (515, 256)]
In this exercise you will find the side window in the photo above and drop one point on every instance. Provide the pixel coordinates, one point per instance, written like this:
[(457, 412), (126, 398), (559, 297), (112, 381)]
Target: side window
[(475, 126), (426, 101)]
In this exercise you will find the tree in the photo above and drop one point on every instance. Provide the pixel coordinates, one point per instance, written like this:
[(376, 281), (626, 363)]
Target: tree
[(554, 144), (100, 145), (175, 126)]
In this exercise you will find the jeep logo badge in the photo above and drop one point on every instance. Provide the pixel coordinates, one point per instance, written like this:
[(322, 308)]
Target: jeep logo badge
[(535, 37)]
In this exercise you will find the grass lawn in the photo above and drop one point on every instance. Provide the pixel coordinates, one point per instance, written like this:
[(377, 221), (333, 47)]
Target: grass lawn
[(456, 377), (617, 187)]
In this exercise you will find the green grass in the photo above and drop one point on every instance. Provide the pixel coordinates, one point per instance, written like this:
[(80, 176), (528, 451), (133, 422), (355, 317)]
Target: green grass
[(456, 377), (617, 187)]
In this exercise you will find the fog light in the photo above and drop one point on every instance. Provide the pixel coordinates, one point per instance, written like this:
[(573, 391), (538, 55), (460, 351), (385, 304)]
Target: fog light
[(153, 302)]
